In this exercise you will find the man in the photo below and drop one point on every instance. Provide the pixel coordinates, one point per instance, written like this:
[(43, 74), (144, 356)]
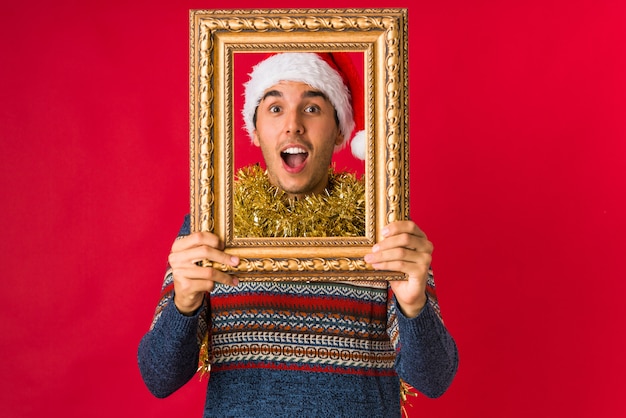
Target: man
[(299, 349), (299, 111)]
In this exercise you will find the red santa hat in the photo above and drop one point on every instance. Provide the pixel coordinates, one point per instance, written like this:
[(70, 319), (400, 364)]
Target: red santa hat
[(333, 74)]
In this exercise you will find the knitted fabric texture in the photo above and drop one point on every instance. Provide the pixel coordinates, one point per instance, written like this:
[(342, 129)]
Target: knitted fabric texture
[(299, 349)]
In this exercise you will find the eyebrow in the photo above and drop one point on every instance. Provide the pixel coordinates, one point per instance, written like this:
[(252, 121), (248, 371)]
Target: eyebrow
[(307, 94)]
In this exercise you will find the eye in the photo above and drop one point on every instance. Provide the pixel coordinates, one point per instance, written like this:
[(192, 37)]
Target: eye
[(274, 109), (312, 109)]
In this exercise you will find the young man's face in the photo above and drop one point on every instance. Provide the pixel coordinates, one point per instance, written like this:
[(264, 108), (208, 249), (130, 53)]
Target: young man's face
[(297, 132)]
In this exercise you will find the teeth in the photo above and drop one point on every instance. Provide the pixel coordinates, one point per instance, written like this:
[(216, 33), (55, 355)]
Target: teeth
[(294, 150)]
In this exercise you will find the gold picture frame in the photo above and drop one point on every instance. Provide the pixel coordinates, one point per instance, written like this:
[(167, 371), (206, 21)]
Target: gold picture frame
[(381, 35)]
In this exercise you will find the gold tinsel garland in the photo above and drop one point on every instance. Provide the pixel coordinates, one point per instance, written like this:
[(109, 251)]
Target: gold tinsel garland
[(263, 210)]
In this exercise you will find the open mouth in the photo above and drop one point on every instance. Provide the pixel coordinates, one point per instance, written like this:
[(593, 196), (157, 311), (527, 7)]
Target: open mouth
[(294, 157)]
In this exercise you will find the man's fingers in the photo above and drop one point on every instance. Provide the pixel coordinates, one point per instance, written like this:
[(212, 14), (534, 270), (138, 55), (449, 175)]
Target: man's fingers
[(199, 253), (405, 240), (400, 227), (398, 255), (201, 279), (196, 239)]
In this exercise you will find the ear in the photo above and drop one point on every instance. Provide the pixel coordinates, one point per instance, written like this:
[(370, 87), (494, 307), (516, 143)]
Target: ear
[(339, 140), (255, 139)]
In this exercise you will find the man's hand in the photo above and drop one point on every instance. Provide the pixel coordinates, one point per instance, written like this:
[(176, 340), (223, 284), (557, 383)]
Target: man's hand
[(191, 281), (405, 249)]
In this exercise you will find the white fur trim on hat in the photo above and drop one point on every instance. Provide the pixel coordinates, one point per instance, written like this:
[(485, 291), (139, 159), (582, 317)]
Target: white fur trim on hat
[(305, 67), (357, 146)]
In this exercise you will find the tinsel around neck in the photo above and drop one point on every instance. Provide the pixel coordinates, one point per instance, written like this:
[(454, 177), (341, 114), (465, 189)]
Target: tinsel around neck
[(261, 209)]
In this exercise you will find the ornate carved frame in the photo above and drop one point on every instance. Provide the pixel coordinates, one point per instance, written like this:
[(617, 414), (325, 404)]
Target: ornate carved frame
[(381, 34)]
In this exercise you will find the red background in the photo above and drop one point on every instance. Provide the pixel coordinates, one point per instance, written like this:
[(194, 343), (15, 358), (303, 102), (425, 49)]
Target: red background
[(518, 141)]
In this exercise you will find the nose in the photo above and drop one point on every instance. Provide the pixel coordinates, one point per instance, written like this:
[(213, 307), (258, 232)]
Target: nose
[(293, 122)]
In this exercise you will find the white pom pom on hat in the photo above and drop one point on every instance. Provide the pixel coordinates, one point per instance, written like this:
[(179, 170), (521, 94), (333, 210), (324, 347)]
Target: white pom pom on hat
[(358, 144), (331, 73)]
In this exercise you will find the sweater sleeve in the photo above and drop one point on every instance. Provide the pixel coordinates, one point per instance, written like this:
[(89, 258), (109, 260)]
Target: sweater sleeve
[(427, 355), (168, 353)]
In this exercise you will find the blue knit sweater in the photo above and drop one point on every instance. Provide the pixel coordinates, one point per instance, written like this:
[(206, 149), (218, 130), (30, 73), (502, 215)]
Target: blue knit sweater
[(300, 349)]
